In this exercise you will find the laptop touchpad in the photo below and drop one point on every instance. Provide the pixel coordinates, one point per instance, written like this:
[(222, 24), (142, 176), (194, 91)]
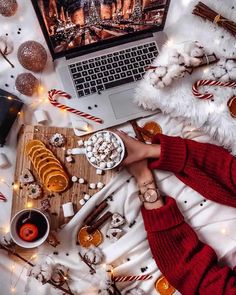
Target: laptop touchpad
[(123, 105)]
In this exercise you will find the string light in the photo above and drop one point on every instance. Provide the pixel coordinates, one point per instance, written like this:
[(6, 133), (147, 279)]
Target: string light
[(29, 205), (170, 42), (15, 186), (205, 70), (186, 2), (217, 41), (223, 231), (13, 289), (9, 97)]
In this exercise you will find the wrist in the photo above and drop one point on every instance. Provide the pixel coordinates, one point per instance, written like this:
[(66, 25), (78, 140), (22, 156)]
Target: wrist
[(153, 151), (144, 176)]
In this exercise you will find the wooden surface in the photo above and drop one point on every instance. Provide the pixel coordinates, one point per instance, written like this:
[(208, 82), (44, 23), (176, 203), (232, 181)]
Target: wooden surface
[(80, 168)]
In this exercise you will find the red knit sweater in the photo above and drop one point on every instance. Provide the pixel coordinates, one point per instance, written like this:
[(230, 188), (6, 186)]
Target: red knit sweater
[(189, 265)]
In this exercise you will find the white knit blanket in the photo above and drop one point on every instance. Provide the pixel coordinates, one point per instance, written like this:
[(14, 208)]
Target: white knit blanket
[(214, 223), (177, 99)]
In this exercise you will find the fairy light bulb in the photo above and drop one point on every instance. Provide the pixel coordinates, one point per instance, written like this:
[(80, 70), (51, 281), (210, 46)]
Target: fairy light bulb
[(15, 186), (34, 256), (170, 42), (186, 2), (29, 205), (13, 290), (223, 231), (13, 267), (217, 41), (9, 97)]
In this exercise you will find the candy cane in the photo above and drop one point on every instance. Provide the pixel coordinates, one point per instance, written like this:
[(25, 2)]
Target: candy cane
[(52, 98), (209, 83), (131, 278), (2, 197)]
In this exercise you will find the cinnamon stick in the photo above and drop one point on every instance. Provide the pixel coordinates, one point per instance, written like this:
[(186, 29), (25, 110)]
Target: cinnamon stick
[(92, 216), (99, 222), (137, 132)]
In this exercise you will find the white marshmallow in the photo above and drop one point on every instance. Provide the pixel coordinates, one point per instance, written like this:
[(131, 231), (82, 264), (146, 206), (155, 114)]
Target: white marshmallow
[(110, 164), (81, 180), (99, 171), (74, 178), (119, 150), (100, 185), (92, 159), (89, 142), (85, 143), (89, 154), (80, 142), (69, 159), (68, 209), (87, 197), (82, 202), (89, 148), (69, 151), (41, 116), (4, 162), (102, 165), (92, 185)]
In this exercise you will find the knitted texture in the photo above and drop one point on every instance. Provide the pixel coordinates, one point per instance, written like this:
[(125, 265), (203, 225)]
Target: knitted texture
[(188, 264), (207, 168)]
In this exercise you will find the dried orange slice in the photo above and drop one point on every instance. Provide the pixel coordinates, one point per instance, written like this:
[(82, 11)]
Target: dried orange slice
[(152, 128), (35, 152), (50, 170), (57, 181), (48, 166), (86, 240), (33, 143), (46, 160), (35, 149), (41, 156), (164, 287), (232, 106)]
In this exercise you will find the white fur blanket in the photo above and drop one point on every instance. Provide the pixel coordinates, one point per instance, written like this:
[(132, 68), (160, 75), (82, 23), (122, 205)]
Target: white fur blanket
[(177, 100)]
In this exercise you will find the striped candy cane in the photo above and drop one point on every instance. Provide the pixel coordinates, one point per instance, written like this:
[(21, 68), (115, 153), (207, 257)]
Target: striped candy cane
[(131, 278), (209, 83), (2, 197), (52, 94)]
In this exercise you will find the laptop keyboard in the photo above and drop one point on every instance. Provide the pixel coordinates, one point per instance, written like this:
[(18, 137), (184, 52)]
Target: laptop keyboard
[(111, 70)]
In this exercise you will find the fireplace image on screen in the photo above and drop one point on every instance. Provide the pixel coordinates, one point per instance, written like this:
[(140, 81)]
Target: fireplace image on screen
[(72, 24)]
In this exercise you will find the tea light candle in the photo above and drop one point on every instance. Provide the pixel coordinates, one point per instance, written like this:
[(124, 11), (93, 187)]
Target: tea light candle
[(68, 209)]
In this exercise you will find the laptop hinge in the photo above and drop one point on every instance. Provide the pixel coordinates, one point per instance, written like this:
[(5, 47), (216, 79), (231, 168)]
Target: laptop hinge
[(109, 45)]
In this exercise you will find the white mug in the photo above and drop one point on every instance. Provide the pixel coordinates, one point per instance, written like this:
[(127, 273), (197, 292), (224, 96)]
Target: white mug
[(26, 215)]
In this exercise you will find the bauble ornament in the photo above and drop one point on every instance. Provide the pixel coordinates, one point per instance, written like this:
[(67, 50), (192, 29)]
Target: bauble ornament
[(27, 84), (8, 7), (32, 56)]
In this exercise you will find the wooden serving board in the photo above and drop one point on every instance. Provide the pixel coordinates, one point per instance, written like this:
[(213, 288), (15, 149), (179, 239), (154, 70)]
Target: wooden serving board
[(80, 168)]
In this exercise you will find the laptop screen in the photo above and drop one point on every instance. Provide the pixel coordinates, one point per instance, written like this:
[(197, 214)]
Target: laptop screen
[(73, 24)]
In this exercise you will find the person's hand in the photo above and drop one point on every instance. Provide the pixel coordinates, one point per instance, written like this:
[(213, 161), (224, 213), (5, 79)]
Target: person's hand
[(140, 171), (137, 151)]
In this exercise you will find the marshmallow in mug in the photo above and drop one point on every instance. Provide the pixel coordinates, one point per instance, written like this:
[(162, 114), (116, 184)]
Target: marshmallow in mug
[(104, 150)]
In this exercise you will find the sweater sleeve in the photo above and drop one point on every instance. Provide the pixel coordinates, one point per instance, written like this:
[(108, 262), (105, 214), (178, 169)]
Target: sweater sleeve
[(188, 264), (185, 156)]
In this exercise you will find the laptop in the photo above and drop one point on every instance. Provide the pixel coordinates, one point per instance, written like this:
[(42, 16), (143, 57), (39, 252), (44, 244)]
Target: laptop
[(101, 50)]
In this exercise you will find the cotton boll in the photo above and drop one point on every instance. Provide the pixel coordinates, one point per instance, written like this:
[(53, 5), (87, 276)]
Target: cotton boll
[(176, 71), (159, 84), (232, 74), (225, 78), (197, 52), (230, 65), (160, 72), (93, 254), (219, 72), (173, 57), (167, 79), (194, 62)]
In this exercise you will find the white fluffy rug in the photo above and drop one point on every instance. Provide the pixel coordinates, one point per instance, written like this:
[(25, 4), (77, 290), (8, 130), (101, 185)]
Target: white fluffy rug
[(177, 100)]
